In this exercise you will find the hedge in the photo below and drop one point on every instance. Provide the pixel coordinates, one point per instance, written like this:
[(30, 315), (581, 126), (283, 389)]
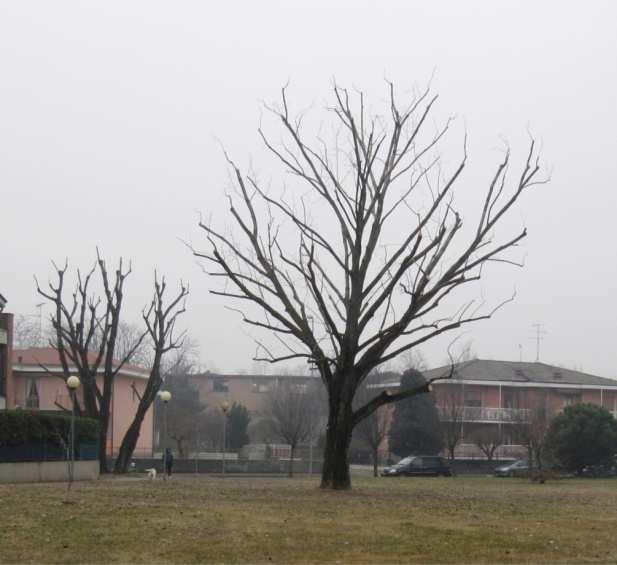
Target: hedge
[(26, 427)]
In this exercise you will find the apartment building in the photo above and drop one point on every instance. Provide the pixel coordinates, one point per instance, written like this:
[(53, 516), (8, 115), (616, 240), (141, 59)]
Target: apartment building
[(249, 390), (497, 396), (37, 383)]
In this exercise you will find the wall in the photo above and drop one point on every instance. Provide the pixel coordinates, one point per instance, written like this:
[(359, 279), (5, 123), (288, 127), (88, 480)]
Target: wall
[(53, 395), (47, 471)]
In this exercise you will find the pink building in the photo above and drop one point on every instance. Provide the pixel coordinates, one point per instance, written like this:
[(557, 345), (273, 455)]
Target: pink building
[(37, 383)]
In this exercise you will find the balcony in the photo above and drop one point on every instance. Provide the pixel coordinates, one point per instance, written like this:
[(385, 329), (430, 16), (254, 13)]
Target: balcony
[(483, 414)]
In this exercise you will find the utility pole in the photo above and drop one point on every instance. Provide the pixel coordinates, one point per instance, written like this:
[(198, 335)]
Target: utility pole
[(540, 333)]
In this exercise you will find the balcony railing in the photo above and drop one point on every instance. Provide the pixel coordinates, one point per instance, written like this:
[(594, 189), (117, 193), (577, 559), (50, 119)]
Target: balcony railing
[(471, 451), (484, 414)]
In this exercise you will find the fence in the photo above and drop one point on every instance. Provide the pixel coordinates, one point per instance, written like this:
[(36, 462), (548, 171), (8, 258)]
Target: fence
[(30, 452)]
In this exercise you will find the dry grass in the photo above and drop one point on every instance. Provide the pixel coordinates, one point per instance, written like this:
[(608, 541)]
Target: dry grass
[(198, 519)]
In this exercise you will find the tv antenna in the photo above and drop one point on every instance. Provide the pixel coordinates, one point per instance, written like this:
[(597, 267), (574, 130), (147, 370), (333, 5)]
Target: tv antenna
[(540, 333)]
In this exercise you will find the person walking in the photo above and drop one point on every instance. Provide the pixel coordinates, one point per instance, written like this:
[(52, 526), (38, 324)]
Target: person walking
[(168, 462)]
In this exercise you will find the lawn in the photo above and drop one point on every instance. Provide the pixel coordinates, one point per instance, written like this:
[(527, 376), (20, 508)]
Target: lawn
[(257, 520)]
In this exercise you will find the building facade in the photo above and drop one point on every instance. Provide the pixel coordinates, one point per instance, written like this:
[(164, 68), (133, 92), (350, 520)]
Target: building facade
[(494, 398), (37, 383)]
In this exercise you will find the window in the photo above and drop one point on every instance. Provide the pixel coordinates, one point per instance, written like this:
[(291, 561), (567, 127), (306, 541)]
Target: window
[(509, 399), (32, 393), (220, 385), (473, 397), (570, 399), (299, 388), (261, 387)]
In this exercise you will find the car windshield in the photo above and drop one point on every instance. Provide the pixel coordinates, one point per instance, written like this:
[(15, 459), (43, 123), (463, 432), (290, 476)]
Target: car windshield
[(404, 462)]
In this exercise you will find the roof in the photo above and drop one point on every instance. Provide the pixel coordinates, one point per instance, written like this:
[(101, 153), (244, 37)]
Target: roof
[(256, 377), (520, 372), (31, 359)]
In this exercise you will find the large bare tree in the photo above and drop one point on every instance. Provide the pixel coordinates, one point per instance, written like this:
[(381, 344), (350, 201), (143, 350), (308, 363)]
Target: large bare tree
[(350, 264)]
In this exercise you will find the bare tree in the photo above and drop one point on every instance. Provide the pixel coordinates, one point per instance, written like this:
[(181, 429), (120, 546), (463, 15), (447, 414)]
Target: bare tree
[(160, 320), (76, 322), (488, 440), (451, 412), (329, 290), (374, 428), (293, 411), (531, 428)]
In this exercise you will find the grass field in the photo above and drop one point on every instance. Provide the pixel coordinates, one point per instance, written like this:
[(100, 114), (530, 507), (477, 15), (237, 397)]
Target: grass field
[(197, 519)]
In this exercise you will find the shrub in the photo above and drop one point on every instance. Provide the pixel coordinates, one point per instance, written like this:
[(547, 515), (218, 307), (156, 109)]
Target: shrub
[(582, 435), (24, 427)]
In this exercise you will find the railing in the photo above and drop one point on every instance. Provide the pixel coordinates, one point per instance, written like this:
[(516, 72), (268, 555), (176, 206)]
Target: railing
[(485, 414), (471, 451)]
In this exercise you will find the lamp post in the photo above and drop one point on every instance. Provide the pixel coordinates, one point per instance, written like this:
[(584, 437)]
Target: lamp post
[(72, 384), (165, 396), (224, 409)]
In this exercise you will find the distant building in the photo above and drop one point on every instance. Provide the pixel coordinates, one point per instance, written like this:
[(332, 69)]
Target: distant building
[(500, 395), (37, 383), (6, 344), (248, 390)]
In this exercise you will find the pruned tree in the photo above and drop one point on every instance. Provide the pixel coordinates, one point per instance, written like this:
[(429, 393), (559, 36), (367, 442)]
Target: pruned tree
[(351, 270), (79, 320), (452, 412), (160, 319), (293, 412), (488, 440)]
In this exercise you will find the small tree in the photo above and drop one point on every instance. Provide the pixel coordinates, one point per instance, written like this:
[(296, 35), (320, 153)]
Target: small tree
[(238, 420), (415, 427), (531, 429), (488, 440), (373, 429), (582, 435), (184, 414), (294, 414), (452, 411)]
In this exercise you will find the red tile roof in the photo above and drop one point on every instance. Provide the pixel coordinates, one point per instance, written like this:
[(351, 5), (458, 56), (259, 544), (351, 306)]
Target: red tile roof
[(49, 357)]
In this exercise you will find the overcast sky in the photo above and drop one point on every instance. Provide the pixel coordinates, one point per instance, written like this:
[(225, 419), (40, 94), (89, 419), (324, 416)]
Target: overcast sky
[(110, 114)]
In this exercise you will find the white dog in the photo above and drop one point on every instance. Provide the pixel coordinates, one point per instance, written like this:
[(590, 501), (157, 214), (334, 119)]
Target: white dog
[(151, 474)]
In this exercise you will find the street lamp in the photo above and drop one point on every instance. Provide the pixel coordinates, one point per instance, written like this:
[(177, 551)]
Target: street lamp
[(224, 409), (165, 396), (72, 384)]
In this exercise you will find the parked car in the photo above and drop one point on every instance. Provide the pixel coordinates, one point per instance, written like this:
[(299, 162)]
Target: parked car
[(519, 467), (418, 465), (600, 471)]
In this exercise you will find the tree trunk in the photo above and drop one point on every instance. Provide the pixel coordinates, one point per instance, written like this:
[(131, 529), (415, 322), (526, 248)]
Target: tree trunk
[(130, 441), (103, 427), (290, 470), (335, 472), (375, 461)]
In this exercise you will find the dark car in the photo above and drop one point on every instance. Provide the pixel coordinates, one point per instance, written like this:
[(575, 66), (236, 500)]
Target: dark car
[(519, 467), (418, 466)]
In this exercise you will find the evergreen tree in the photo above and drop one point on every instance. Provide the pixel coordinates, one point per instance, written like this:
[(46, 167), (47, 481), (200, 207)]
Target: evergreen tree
[(415, 427), (582, 435), (238, 419)]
